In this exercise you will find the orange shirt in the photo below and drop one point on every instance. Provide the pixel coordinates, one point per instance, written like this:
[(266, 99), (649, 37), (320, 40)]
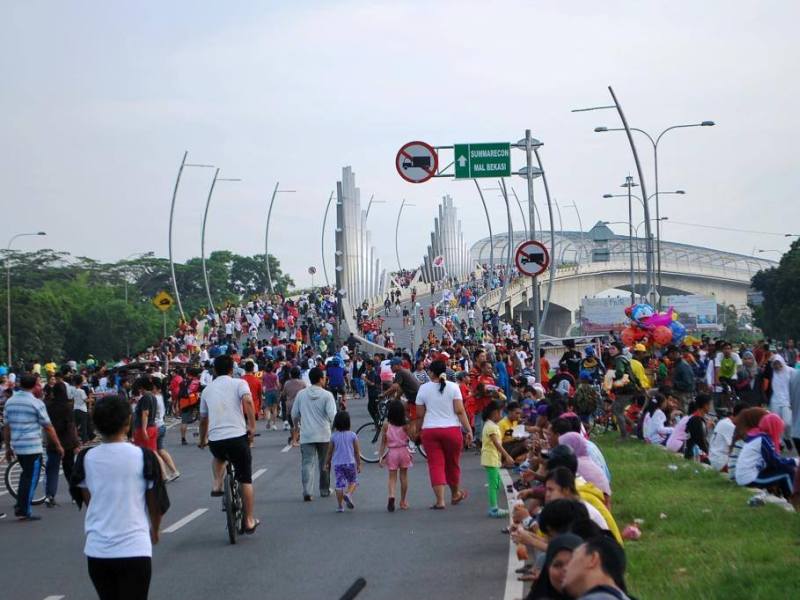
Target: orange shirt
[(254, 383)]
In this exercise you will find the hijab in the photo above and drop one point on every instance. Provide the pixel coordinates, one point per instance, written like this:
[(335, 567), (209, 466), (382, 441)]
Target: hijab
[(780, 382), (752, 371), (543, 589), (772, 425), (587, 468)]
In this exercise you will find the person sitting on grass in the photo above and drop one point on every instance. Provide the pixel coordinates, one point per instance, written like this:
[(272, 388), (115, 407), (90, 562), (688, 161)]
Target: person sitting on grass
[(556, 518), (491, 453), (586, 466), (719, 446), (748, 419), (596, 571), (565, 424), (550, 584), (655, 427), (586, 398), (760, 463), (560, 483), (696, 447), (516, 448)]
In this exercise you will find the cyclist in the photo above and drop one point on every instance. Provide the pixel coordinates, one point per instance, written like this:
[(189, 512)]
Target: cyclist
[(227, 426)]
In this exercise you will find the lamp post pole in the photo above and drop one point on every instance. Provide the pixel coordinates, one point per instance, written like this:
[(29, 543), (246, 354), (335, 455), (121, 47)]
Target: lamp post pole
[(8, 291), (171, 219), (322, 240), (203, 236), (275, 192), (397, 231)]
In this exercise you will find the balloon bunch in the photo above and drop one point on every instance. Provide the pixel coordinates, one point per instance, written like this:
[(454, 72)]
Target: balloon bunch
[(652, 327)]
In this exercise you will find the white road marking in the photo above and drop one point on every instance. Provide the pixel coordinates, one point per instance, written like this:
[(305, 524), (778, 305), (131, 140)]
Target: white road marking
[(187, 519), (3, 493), (514, 587), (54, 597), (259, 473), (286, 448)]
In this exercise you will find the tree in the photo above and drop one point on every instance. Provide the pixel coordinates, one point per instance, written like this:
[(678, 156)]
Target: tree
[(779, 315)]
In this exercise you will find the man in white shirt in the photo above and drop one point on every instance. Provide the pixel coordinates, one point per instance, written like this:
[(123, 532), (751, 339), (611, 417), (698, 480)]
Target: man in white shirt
[(227, 426)]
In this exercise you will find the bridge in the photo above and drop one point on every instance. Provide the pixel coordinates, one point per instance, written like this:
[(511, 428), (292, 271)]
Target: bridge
[(587, 263)]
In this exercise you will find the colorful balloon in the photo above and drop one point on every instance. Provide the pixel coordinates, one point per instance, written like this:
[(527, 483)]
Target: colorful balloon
[(674, 314), (628, 336), (678, 332), (658, 319), (639, 312), (662, 335)]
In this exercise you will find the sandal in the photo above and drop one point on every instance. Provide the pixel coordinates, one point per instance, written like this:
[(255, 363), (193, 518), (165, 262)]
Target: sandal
[(462, 495), (437, 507), (252, 529), (217, 493)]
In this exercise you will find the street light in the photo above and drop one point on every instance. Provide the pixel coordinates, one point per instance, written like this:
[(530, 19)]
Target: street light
[(203, 235), (761, 251), (369, 206), (275, 192), (8, 289), (397, 231), (655, 166)]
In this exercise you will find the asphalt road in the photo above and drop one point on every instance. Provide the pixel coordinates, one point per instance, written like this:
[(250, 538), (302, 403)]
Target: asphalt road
[(300, 551)]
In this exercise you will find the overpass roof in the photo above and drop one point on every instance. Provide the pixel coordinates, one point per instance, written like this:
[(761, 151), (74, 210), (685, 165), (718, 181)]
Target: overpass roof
[(572, 247)]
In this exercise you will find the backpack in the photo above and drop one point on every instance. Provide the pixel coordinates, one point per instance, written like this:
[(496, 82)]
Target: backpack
[(185, 398), (632, 386)]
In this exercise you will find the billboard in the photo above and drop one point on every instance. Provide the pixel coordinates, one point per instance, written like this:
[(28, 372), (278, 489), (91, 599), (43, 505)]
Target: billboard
[(599, 315), (696, 312)]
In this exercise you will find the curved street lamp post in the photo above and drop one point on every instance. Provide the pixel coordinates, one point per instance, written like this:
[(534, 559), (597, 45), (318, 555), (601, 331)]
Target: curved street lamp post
[(203, 235)]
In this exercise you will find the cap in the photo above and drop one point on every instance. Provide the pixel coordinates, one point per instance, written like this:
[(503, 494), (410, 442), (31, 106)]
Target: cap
[(396, 361), (640, 348), (461, 375)]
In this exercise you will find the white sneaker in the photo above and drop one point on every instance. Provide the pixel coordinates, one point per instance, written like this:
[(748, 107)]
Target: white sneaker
[(286, 425)]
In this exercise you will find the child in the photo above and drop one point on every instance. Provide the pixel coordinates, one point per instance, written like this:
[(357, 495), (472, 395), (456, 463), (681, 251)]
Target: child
[(491, 452), (394, 452), (344, 455)]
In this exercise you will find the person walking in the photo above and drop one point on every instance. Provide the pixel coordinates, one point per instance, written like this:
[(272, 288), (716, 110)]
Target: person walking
[(62, 416), (25, 417), (444, 420), (313, 412), (344, 457), (623, 385)]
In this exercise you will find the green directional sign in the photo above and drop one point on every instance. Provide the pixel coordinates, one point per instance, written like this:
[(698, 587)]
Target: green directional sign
[(482, 160)]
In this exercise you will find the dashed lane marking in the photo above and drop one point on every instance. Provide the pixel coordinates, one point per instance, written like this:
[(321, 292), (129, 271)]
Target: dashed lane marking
[(258, 473), (187, 519), (55, 597), (286, 448)]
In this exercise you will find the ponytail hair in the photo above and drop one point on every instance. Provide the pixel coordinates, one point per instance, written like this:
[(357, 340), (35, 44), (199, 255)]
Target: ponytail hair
[(439, 370)]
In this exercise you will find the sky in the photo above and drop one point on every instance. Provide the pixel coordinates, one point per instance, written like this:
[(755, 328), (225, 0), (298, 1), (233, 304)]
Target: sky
[(101, 99)]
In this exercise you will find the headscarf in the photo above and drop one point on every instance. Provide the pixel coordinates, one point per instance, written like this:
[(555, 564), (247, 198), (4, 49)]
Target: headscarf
[(543, 589), (752, 371), (587, 468), (772, 425)]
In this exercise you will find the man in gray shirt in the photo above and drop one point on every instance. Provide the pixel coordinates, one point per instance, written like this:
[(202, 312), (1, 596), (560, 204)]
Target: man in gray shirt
[(313, 411)]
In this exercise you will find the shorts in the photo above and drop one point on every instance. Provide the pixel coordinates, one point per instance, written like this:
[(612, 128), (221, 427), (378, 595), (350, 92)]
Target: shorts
[(237, 451), (150, 442), (271, 398), (188, 416), (346, 476), (162, 432), (398, 458)]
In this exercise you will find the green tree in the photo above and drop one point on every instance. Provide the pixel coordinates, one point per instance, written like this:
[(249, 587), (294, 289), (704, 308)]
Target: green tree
[(779, 315)]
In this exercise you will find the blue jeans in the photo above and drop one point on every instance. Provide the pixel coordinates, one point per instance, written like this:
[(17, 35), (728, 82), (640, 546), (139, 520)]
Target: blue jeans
[(358, 383), (308, 454), (31, 468), (54, 461)]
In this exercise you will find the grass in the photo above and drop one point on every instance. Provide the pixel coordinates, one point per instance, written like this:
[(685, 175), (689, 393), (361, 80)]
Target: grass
[(711, 544)]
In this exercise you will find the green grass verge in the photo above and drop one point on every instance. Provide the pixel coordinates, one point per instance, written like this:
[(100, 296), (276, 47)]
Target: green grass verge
[(711, 543)]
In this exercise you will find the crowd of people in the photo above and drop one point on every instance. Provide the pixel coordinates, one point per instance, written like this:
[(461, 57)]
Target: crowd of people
[(471, 386)]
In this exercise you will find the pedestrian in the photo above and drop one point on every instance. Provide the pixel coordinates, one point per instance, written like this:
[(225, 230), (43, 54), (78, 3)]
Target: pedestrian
[(61, 414), (444, 421), (123, 490), (624, 386), (145, 433), (25, 417), (493, 456), (394, 452), (345, 458), (161, 432), (313, 412)]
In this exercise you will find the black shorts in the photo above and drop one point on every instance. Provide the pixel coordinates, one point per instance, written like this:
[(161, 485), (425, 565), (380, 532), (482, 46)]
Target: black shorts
[(237, 451)]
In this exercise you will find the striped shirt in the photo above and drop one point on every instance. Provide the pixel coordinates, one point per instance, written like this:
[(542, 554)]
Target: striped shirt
[(25, 414)]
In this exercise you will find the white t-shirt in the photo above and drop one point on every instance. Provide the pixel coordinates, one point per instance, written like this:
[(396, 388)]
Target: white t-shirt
[(720, 444), (439, 411), (79, 400), (159, 410), (221, 402), (596, 516), (117, 524)]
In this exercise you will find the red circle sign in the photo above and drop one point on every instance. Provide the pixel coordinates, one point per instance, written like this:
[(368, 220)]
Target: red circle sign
[(532, 258), (417, 162)]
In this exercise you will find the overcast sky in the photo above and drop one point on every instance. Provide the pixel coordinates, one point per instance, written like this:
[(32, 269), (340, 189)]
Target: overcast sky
[(100, 100)]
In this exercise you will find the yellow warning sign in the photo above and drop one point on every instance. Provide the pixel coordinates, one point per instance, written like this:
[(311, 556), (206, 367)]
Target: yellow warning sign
[(163, 301)]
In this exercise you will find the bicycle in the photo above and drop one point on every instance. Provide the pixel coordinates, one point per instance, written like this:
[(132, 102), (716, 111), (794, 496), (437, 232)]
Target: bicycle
[(12, 475), (232, 504), (369, 436)]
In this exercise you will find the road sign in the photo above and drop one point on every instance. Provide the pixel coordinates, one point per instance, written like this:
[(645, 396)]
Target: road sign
[(532, 258), (417, 162), (482, 160), (163, 301), (312, 270)]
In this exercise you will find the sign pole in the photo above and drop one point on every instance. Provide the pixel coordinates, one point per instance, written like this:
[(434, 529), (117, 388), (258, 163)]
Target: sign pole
[(532, 221), (164, 314)]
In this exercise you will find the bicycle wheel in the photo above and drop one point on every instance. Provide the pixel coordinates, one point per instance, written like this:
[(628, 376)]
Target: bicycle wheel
[(229, 500), (12, 475), (369, 438)]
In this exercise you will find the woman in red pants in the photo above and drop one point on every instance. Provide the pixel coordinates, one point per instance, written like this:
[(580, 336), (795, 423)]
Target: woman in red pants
[(444, 420)]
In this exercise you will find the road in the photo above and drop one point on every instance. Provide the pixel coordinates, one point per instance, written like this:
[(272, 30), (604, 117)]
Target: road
[(300, 551)]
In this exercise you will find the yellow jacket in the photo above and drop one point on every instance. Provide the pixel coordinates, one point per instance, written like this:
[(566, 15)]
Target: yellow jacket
[(638, 370), (592, 494)]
